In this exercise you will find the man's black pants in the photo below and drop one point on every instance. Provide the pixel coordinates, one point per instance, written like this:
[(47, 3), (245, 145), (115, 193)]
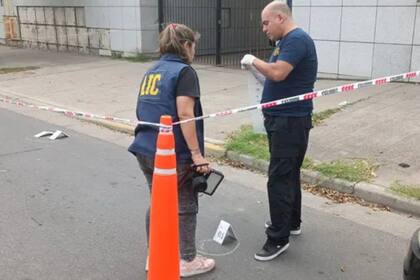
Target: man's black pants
[(288, 140)]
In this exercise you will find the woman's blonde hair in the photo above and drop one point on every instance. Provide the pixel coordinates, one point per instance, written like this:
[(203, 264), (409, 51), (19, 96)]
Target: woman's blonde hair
[(173, 38)]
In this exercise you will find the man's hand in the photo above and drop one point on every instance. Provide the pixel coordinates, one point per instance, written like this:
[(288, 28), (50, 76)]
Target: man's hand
[(247, 60)]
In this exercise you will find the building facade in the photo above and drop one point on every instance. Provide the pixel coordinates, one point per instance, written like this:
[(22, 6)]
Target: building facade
[(2, 36), (363, 38), (87, 26), (354, 38)]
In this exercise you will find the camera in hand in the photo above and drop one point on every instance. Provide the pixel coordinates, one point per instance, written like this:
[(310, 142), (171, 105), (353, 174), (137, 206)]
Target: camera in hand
[(207, 183), (199, 182)]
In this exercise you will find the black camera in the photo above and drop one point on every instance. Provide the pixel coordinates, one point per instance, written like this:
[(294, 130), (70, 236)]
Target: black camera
[(199, 182), (207, 183)]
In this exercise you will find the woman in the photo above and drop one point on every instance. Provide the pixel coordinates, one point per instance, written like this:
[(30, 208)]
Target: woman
[(171, 87)]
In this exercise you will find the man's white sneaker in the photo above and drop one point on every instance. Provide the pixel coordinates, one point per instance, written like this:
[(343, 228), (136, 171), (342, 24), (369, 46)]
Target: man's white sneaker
[(294, 231), (197, 266)]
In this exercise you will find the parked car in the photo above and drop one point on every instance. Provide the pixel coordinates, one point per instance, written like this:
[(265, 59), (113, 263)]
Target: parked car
[(412, 260)]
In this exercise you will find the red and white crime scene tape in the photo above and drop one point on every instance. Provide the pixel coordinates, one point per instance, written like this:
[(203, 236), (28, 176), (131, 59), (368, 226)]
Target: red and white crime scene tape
[(16, 101), (306, 96), (310, 95)]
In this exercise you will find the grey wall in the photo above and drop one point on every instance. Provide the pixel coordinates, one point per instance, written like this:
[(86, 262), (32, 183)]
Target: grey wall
[(128, 26), (2, 35), (356, 38), (362, 38), (58, 28), (120, 18), (149, 25)]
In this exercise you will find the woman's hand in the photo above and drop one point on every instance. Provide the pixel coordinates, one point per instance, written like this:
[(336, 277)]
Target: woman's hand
[(198, 159)]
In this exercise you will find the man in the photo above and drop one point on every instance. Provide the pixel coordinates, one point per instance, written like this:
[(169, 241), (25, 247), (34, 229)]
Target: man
[(290, 71)]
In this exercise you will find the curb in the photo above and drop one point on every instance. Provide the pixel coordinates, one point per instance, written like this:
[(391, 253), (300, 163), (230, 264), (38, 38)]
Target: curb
[(366, 191), (120, 127), (380, 195)]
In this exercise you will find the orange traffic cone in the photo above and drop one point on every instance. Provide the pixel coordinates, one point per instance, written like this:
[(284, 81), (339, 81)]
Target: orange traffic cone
[(164, 229)]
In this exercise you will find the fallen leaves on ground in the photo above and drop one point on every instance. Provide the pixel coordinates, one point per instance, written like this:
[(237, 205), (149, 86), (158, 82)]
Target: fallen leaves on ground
[(334, 196), (338, 197)]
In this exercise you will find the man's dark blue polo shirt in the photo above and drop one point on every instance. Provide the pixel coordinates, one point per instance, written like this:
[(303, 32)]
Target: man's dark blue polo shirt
[(298, 49)]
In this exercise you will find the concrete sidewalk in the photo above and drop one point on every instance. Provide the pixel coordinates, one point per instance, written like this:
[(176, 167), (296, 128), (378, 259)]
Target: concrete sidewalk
[(383, 127)]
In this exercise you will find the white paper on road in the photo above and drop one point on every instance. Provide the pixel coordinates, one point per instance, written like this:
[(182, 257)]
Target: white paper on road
[(43, 134), (58, 134)]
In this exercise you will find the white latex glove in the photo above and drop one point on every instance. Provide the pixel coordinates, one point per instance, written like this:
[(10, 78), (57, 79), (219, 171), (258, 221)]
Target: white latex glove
[(247, 60)]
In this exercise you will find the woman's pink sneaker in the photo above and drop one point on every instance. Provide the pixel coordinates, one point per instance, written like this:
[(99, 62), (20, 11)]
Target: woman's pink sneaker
[(197, 266)]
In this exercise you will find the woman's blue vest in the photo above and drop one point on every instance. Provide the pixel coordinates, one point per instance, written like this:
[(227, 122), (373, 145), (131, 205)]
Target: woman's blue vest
[(157, 97)]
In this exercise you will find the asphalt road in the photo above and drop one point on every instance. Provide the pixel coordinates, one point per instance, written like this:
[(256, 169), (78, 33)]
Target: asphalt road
[(73, 209)]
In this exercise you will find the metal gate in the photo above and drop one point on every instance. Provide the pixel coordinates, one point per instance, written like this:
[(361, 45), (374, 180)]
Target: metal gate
[(229, 28)]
